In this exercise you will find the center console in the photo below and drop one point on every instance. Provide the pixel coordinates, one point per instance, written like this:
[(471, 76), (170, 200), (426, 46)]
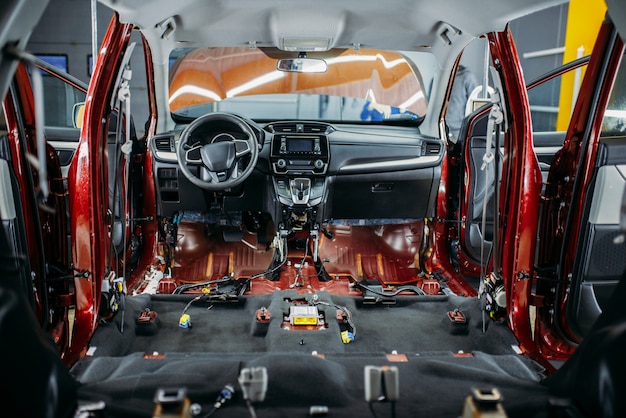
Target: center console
[(299, 162), (299, 154)]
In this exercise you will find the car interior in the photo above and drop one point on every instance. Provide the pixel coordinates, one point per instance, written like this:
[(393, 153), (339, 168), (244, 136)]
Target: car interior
[(288, 228), (299, 248)]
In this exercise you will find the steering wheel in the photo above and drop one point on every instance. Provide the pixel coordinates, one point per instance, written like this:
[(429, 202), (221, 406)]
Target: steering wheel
[(223, 163)]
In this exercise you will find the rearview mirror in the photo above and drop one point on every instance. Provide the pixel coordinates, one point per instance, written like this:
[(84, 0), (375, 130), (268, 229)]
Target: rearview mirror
[(302, 65)]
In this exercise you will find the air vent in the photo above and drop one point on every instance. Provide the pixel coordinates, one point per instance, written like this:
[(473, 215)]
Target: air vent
[(164, 144), (283, 129), (300, 128), (431, 148), (314, 128)]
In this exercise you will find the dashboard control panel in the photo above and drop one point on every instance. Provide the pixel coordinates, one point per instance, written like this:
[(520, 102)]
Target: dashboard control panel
[(299, 155)]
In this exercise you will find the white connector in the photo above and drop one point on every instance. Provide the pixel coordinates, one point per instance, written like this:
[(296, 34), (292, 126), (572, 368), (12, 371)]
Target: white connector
[(253, 383)]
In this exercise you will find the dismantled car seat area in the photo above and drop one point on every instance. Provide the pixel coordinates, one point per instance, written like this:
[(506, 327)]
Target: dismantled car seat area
[(298, 338), (320, 317)]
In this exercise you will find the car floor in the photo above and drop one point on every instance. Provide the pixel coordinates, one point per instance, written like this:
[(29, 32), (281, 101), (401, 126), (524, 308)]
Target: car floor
[(439, 359), (438, 364)]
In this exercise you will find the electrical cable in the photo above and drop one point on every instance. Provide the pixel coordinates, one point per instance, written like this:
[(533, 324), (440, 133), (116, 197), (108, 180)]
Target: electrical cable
[(299, 272), (395, 292), (371, 405), (185, 320), (342, 309), (187, 286), (265, 273), (251, 409), (225, 395), (197, 298)]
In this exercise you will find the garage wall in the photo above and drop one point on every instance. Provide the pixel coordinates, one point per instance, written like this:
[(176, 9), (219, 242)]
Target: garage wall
[(540, 39), (65, 30)]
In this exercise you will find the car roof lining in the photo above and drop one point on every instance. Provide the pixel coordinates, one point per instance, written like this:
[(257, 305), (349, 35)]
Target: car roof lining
[(408, 25)]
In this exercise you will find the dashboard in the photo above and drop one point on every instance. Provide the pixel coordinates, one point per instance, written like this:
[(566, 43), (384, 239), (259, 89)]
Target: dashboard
[(333, 171)]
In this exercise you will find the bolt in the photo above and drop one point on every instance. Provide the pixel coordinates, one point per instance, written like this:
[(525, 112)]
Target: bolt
[(195, 409)]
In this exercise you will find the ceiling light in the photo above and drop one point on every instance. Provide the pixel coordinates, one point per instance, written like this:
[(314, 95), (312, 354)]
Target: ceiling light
[(305, 44)]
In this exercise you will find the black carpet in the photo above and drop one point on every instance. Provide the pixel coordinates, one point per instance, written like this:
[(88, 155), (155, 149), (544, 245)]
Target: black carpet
[(414, 324), (434, 379)]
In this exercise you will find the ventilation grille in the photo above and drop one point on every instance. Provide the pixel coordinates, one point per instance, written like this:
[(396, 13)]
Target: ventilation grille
[(431, 148), (300, 128), (165, 144)]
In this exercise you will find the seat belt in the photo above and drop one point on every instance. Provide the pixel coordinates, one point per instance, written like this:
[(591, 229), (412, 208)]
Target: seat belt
[(495, 120)]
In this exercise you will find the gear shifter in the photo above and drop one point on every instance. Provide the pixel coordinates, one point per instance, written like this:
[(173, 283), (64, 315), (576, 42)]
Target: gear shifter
[(300, 190)]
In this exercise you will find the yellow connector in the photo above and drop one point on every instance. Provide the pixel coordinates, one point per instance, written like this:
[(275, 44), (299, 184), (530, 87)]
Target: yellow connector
[(184, 321)]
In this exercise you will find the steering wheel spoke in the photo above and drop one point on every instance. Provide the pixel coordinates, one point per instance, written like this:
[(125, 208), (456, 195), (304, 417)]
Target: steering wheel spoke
[(193, 155), (242, 147)]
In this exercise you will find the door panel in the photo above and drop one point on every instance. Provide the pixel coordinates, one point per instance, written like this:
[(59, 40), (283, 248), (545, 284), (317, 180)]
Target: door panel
[(581, 251), (478, 190), (601, 260)]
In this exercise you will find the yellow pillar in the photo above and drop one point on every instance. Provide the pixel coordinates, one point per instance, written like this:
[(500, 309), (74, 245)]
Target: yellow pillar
[(583, 23)]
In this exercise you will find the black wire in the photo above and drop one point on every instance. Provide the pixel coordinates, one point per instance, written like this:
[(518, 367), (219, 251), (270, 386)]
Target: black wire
[(211, 412), (184, 287), (371, 405), (395, 292), (266, 272)]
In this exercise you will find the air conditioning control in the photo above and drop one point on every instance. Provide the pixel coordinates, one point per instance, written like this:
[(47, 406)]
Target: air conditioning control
[(319, 164), (281, 163)]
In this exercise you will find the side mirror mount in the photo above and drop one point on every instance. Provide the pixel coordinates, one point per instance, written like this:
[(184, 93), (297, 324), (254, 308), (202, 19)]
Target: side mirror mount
[(78, 114)]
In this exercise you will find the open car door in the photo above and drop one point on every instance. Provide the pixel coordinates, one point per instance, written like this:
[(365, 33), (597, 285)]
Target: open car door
[(541, 173), (581, 250)]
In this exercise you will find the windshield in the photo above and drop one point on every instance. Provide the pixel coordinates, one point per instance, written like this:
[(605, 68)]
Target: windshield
[(356, 86)]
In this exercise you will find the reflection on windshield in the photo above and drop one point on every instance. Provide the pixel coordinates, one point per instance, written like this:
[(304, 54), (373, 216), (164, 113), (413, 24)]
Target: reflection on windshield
[(362, 85), (303, 106)]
